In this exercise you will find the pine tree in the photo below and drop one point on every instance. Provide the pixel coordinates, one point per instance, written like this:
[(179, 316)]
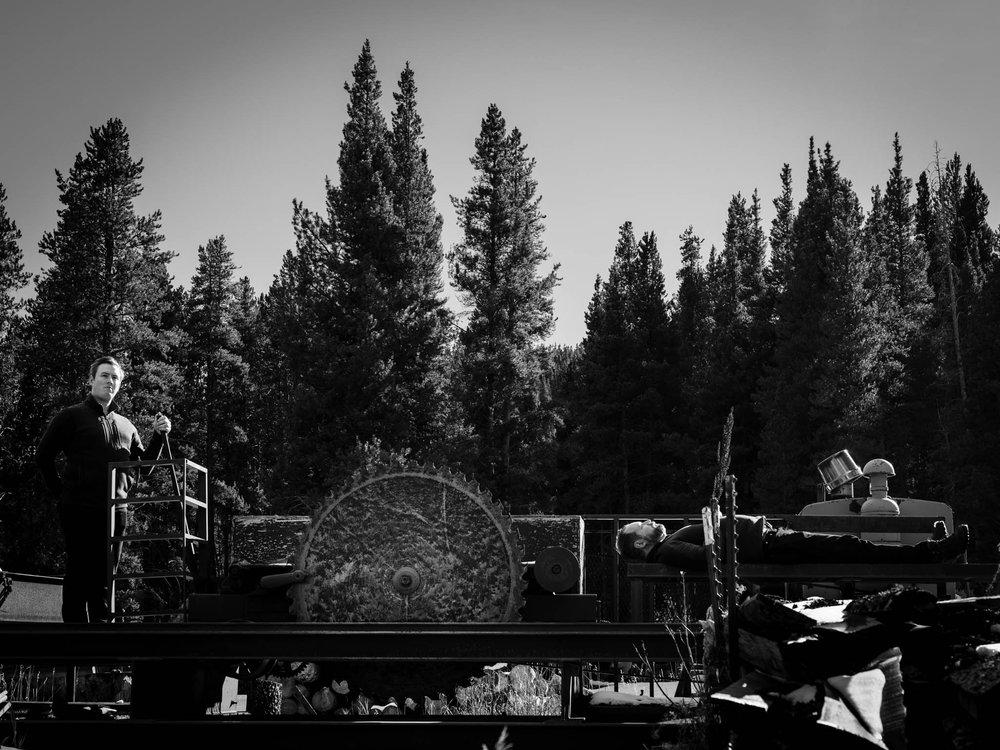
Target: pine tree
[(781, 233), (901, 295), (216, 383), (107, 291), (692, 312), (821, 393), (389, 321), (12, 274), (739, 344), (357, 312), (496, 270), (625, 389), (951, 219), (248, 321), (300, 435), (13, 277), (420, 324)]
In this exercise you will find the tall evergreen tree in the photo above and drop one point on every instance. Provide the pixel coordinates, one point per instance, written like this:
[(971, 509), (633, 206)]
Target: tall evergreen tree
[(901, 295), (497, 271), (694, 325), (249, 324), (951, 220), (301, 434), (108, 286), (390, 320), (107, 291), (13, 277), (821, 393), (738, 345), (692, 312), (420, 324), (216, 382), (12, 274), (781, 233), (358, 312), (626, 383)]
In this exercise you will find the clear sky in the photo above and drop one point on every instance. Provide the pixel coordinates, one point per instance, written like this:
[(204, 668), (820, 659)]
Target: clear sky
[(650, 111)]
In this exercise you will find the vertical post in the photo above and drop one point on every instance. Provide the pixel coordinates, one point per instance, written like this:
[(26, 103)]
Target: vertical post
[(110, 545), (710, 523), (637, 600), (732, 575), (615, 582)]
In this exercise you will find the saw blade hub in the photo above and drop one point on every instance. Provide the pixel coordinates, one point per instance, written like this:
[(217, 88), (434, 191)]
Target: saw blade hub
[(406, 581)]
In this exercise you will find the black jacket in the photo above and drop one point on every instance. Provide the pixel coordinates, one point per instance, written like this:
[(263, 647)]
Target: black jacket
[(685, 547), (90, 441)]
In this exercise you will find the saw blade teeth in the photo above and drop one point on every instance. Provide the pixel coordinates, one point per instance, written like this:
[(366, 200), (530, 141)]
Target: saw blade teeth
[(372, 485)]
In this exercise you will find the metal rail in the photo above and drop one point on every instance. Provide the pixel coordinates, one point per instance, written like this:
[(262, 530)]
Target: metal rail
[(528, 642), (543, 733)]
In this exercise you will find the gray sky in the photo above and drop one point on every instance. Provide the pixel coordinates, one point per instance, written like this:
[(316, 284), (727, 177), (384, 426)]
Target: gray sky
[(654, 112)]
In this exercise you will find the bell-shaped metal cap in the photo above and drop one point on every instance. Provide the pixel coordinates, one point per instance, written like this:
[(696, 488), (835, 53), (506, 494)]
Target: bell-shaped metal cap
[(837, 470)]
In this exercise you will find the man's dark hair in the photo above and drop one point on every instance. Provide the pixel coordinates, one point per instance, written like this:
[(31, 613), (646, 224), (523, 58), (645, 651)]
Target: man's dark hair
[(625, 544), (105, 360)]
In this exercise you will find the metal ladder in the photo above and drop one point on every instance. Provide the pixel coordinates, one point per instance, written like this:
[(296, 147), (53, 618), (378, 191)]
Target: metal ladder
[(190, 497)]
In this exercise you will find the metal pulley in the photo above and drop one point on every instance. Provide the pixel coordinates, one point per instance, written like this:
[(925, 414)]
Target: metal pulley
[(556, 569)]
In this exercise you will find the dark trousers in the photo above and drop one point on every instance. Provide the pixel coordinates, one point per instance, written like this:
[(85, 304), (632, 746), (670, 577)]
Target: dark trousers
[(85, 585), (787, 546)]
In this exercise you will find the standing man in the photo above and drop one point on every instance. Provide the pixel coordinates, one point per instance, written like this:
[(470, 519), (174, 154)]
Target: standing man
[(91, 435)]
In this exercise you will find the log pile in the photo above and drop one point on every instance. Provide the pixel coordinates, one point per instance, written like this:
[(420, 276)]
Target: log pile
[(897, 669)]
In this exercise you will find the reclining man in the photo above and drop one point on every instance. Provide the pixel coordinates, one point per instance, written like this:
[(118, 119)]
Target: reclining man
[(759, 542)]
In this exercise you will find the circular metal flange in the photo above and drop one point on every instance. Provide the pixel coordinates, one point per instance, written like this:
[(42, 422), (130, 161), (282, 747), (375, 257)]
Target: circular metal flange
[(557, 569)]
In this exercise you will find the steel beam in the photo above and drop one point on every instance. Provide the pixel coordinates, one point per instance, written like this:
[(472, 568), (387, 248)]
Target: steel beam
[(38, 643), (451, 732)]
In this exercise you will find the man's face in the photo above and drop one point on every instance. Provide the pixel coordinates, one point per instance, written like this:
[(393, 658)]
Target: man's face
[(647, 533), (104, 387)]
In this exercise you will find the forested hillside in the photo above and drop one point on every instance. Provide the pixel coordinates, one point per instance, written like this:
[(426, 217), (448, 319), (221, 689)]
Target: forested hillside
[(868, 323)]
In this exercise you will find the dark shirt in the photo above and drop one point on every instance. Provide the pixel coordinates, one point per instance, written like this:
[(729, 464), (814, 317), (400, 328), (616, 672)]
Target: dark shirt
[(90, 441), (685, 548)]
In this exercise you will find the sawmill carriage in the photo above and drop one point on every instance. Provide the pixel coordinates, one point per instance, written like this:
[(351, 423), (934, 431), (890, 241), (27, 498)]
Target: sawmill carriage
[(432, 553), (403, 543)]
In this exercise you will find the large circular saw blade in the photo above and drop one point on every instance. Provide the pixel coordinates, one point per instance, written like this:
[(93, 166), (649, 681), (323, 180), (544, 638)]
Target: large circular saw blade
[(409, 543)]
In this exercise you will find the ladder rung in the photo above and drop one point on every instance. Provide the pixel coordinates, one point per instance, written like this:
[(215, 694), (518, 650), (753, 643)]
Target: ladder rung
[(159, 538), (162, 499)]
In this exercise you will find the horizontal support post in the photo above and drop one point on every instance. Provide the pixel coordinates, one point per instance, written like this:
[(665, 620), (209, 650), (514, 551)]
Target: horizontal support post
[(524, 642)]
